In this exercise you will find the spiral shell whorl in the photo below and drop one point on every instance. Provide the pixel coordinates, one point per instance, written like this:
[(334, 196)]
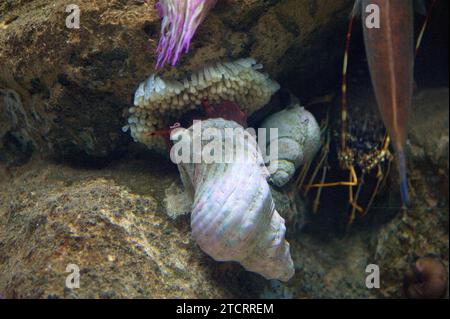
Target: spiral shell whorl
[(298, 141), (233, 215)]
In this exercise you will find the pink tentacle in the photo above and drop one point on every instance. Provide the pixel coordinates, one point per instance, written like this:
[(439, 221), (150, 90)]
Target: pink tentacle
[(181, 19)]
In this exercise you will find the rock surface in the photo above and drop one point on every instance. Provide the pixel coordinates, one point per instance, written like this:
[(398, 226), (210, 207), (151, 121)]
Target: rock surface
[(76, 83), (112, 225), (63, 93), (115, 224), (423, 229)]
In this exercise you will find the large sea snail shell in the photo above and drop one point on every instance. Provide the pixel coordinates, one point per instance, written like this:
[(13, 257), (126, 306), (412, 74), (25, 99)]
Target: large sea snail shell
[(233, 214), (298, 141)]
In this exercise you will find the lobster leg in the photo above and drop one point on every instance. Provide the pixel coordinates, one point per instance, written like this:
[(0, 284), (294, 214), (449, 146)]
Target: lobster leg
[(353, 200), (353, 180), (322, 164), (325, 141), (380, 179), (323, 154), (316, 203)]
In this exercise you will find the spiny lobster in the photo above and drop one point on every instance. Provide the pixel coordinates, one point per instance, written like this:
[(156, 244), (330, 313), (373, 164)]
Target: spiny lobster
[(390, 54)]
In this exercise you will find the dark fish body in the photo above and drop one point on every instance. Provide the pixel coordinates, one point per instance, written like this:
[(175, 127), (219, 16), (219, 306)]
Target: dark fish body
[(390, 54)]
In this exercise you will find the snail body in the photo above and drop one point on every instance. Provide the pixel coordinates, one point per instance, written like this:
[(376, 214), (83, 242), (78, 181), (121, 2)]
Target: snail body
[(233, 214)]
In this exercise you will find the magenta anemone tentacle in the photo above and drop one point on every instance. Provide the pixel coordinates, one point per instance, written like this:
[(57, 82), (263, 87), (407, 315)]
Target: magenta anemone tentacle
[(181, 18)]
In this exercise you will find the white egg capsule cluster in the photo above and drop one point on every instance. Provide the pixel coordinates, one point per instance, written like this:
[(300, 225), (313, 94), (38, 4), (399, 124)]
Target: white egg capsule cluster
[(159, 103)]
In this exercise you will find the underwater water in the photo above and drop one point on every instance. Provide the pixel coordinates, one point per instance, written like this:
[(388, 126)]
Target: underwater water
[(97, 100)]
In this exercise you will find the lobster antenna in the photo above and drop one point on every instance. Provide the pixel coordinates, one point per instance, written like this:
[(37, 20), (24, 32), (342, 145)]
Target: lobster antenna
[(344, 101), (424, 26)]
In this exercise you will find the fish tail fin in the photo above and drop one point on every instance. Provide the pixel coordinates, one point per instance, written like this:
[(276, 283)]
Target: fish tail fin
[(403, 179)]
